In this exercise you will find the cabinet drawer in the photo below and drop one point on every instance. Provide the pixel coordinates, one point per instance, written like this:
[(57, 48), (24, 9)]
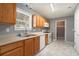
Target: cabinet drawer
[(15, 52), (8, 47)]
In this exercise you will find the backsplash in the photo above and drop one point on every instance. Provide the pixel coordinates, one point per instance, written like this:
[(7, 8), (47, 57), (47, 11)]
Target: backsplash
[(8, 29)]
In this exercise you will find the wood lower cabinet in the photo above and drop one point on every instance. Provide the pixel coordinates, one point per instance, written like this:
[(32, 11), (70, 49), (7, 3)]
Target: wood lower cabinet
[(32, 46), (8, 47), (29, 47), (15, 52), (7, 13), (46, 39), (36, 45), (0, 50), (13, 49)]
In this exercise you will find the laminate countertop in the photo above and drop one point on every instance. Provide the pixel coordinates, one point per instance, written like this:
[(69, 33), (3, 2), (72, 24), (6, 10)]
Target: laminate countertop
[(7, 39)]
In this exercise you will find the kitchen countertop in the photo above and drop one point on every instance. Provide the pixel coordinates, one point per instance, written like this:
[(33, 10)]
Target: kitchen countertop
[(47, 33), (12, 38)]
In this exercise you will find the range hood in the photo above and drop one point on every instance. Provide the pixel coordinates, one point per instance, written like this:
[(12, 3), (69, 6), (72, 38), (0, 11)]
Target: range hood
[(46, 25)]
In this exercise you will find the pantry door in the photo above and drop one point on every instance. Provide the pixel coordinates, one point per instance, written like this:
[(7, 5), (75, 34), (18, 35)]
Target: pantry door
[(60, 29)]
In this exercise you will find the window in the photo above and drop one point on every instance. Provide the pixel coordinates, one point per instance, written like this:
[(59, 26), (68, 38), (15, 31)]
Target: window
[(22, 20)]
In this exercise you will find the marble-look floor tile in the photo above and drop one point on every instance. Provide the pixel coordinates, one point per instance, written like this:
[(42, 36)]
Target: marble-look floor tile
[(58, 48)]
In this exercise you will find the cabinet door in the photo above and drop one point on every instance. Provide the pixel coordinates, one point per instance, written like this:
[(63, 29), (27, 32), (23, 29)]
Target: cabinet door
[(46, 39), (43, 22), (29, 47), (38, 22), (0, 12), (34, 21), (15, 52), (36, 45), (0, 50), (8, 13)]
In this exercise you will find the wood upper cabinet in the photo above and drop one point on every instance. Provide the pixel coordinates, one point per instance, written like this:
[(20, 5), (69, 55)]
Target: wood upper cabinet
[(34, 21), (7, 13), (1, 11), (46, 39), (38, 21), (41, 22)]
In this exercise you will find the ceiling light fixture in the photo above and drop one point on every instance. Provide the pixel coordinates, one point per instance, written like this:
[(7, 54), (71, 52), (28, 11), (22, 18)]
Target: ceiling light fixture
[(52, 6)]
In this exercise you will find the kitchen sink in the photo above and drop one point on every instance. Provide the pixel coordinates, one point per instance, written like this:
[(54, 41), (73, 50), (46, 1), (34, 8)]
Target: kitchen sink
[(28, 35)]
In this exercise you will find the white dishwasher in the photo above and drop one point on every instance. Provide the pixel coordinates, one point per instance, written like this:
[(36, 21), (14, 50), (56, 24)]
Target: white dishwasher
[(50, 38), (42, 41)]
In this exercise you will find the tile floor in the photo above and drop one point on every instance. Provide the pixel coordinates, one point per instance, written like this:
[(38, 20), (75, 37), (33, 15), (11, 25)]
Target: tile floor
[(58, 48)]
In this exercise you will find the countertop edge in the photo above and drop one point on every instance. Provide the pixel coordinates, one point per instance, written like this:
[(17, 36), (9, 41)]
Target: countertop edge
[(16, 40)]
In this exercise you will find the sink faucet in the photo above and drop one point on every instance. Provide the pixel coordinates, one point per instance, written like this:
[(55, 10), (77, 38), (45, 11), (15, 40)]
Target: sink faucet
[(25, 31)]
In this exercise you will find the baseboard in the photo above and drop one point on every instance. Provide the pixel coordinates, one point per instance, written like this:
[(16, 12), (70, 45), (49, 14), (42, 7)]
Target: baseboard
[(70, 42)]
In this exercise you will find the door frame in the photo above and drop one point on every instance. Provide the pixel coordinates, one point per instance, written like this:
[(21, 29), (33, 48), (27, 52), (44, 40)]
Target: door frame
[(56, 28)]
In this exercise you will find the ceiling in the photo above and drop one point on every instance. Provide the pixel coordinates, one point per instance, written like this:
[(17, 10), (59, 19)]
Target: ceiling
[(60, 9)]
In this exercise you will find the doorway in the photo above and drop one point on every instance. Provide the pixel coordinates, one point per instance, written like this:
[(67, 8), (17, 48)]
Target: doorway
[(60, 29)]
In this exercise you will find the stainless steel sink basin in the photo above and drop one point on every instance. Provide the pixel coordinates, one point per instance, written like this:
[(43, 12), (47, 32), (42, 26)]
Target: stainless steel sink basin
[(28, 35)]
